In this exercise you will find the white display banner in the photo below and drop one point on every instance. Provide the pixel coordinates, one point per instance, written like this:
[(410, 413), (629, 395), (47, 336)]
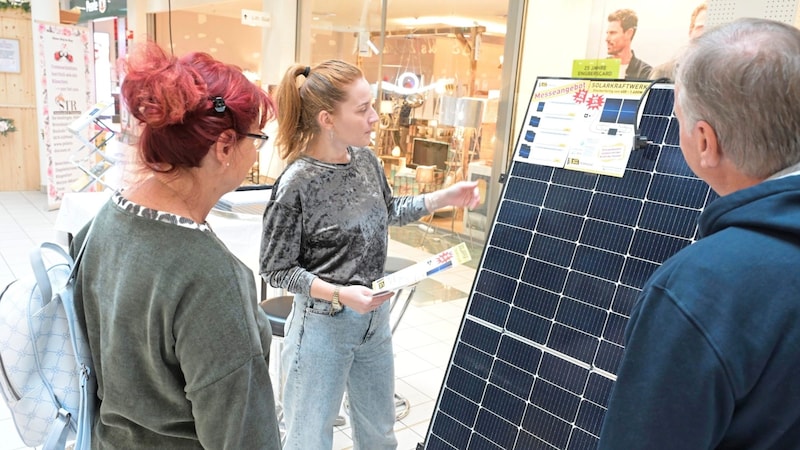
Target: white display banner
[(64, 67)]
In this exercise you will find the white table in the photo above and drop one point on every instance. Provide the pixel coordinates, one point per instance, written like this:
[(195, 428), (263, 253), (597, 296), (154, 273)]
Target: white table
[(241, 233)]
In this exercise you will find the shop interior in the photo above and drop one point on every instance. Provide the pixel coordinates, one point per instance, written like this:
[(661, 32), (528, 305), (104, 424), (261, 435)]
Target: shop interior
[(439, 66)]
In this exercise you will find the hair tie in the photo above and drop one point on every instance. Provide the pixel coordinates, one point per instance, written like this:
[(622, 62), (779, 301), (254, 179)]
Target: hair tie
[(306, 71), (219, 104)]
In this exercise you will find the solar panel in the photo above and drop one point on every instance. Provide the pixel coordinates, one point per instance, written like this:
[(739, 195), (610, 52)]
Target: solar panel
[(568, 252)]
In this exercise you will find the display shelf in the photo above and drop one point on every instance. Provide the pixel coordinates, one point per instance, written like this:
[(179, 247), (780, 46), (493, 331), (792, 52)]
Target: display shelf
[(92, 158)]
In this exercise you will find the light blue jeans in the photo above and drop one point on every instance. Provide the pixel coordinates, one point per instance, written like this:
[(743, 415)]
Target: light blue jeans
[(322, 355)]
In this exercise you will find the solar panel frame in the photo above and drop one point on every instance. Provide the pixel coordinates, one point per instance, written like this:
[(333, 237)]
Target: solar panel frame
[(567, 254)]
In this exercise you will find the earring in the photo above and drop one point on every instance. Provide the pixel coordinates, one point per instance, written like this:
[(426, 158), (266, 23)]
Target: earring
[(227, 164), (331, 134)]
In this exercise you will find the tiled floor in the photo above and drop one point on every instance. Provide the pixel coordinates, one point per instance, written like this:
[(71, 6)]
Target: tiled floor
[(423, 340)]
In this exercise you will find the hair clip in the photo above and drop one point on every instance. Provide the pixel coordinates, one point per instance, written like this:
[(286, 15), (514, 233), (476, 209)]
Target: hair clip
[(219, 104), (307, 71)]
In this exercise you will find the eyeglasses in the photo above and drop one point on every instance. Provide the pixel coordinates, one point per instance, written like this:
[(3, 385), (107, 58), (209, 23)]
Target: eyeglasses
[(258, 139)]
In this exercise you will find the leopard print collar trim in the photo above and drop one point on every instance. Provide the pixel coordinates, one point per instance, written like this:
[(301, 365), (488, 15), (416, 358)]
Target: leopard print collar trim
[(160, 216)]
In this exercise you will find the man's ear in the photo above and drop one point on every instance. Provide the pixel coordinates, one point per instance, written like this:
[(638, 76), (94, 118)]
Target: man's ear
[(707, 144)]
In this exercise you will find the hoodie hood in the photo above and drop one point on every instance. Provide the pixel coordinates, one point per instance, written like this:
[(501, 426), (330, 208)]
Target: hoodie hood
[(769, 207)]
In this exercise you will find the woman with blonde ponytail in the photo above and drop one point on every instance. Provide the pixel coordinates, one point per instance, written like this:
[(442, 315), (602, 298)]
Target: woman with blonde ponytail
[(325, 240)]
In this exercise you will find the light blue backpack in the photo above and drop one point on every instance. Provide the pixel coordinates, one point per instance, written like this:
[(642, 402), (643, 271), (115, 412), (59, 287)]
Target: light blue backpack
[(46, 373)]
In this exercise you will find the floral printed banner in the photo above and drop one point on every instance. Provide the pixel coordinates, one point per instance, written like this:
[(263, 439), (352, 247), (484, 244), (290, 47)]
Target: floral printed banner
[(65, 69)]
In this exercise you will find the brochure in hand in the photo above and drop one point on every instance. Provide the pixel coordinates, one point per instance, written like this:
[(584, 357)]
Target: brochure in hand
[(444, 260)]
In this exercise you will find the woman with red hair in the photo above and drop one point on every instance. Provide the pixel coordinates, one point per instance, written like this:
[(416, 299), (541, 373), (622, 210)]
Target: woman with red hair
[(178, 340)]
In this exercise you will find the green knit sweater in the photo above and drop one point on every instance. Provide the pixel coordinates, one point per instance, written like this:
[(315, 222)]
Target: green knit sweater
[(179, 343)]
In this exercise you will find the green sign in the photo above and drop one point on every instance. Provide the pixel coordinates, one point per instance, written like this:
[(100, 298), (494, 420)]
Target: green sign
[(595, 68), (98, 9)]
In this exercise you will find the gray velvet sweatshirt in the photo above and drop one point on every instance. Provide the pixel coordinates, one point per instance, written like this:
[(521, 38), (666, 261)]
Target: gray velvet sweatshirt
[(331, 221)]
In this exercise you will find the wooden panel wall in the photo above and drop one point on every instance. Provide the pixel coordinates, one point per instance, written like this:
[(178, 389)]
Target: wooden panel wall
[(19, 150)]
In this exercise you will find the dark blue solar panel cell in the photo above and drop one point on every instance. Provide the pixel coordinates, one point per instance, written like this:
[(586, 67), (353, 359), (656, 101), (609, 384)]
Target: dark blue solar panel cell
[(480, 337), (633, 184), (495, 285), (588, 289), (504, 262), (563, 373), (673, 133), (573, 343), (611, 208), (472, 360), (590, 417), (546, 426), (615, 328), (606, 235), (527, 325), (564, 226), (672, 220), (504, 404), (569, 200), (552, 250), (688, 192), (555, 400), (528, 441), (576, 179), (611, 110), (671, 161), (458, 407), (659, 102), (450, 431), (637, 271), (624, 299), (655, 128), (511, 238), (465, 384), (496, 429), (629, 111), (489, 309), (478, 442), (609, 356), (536, 300), (581, 440), (544, 275), (525, 191), (655, 247), (518, 214), (436, 443), (644, 159), (599, 263), (519, 354), (531, 172), (598, 389), (512, 379), (583, 317)]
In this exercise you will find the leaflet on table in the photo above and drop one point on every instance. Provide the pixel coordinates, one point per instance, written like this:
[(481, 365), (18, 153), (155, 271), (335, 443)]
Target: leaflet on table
[(444, 260)]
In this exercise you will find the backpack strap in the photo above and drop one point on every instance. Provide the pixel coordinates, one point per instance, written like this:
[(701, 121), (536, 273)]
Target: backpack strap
[(57, 437)]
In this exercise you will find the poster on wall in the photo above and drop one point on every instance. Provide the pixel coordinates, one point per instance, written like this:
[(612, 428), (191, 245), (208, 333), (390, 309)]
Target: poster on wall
[(64, 66), (645, 36)]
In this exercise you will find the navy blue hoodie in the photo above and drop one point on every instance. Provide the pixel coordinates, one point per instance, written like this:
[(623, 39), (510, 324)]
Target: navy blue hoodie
[(712, 356)]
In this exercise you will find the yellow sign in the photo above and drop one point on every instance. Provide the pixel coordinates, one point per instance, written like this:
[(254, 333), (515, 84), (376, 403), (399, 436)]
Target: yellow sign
[(595, 68)]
